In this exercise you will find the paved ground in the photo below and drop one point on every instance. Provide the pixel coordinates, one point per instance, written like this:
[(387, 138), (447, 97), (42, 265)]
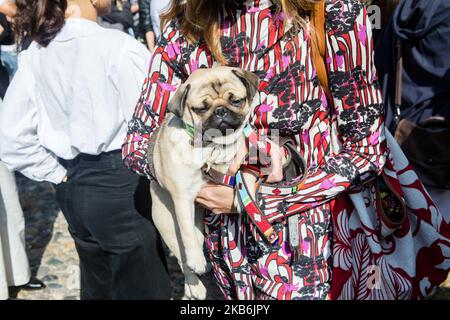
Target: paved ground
[(52, 252)]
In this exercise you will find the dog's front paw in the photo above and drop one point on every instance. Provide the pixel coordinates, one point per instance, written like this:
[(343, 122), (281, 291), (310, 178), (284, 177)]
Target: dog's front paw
[(196, 262)]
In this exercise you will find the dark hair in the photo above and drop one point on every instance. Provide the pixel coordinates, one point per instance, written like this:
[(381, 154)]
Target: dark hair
[(41, 20)]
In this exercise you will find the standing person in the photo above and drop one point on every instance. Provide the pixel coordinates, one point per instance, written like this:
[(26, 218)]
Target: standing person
[(419, 32), (145, 23), (7, 10), (274, 40), (63, 120), (135, 12), (120, 17), (9, 58), (15, 272), (14, 264), (8, 46), (149, 16), (4, 74), (158, 8)]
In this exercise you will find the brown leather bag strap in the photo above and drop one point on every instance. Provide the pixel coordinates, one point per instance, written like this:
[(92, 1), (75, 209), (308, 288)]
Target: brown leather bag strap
[(398, 83), (319, 45)]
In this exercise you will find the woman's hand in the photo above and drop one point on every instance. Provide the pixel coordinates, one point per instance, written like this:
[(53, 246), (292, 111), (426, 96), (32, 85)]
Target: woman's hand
[(277, 162), (217, 198), (220, 199)]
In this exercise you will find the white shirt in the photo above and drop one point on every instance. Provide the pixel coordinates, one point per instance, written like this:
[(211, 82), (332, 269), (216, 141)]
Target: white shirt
[(157, 8), (75, 96)]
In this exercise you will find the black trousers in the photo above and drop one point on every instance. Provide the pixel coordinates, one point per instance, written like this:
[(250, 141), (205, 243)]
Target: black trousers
[(108, 210)]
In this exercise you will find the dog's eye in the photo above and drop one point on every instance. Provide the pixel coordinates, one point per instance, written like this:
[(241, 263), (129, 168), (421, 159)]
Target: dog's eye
[(237, 102), (200, 110)]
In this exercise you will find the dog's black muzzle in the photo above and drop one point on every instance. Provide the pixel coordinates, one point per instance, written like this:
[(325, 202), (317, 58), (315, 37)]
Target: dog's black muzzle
[(224, 120)]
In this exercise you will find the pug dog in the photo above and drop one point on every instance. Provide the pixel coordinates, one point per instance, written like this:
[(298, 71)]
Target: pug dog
[(212, 104)]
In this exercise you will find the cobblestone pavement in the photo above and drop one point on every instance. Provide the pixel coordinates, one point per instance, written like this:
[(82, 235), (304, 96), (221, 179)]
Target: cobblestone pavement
[(53, 256), (52, 253)]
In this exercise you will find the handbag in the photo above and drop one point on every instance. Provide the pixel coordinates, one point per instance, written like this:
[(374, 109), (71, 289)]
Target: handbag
[(389, 239), (426, 144)]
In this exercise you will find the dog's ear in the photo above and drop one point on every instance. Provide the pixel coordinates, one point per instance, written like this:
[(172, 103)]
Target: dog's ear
[(178, 101), (250, 81)]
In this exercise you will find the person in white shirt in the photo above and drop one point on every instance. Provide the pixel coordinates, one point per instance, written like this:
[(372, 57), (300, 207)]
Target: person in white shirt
[(63, 120), (14, 265)]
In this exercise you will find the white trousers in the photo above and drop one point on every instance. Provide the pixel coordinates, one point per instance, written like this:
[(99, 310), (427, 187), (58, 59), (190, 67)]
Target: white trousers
[(14, 265)]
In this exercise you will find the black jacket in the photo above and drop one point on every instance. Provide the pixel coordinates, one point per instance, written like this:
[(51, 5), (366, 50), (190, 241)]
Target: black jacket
[(423, 27), (145, 16), (7, 36), (123, 17)]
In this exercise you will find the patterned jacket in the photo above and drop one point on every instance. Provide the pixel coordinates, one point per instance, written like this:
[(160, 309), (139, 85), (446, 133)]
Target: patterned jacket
[(258, 39)]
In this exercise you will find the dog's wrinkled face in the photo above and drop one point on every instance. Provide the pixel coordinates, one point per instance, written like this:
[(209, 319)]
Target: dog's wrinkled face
[(217, 98)]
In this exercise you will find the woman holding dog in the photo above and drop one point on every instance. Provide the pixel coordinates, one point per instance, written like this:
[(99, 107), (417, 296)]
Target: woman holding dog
[(63, 121), (276, 40)]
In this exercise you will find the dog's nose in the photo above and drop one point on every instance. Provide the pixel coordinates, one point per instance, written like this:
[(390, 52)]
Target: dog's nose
[(221, 112)]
